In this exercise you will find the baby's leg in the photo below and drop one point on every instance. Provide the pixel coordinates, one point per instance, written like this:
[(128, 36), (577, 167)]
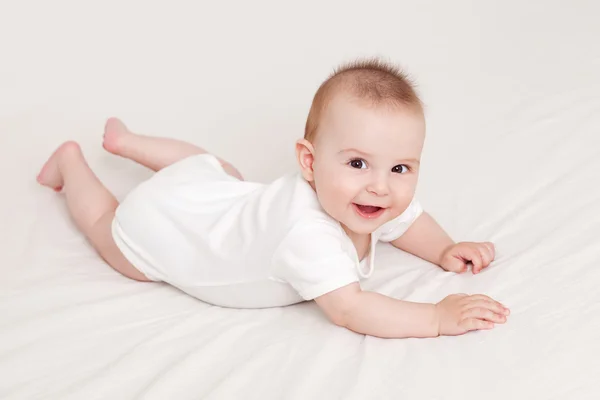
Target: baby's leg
[(152, 152), (91, 205)]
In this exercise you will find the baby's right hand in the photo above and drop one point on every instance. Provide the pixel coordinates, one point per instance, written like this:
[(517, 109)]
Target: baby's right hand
[(461, 313)]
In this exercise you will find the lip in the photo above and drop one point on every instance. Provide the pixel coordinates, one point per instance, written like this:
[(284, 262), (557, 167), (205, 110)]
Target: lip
[(374, 215)]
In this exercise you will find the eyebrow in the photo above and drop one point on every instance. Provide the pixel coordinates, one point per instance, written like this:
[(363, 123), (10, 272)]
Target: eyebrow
[(411, 160)]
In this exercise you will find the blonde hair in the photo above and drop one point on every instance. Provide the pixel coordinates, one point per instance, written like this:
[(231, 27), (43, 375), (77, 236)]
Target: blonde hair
[(368, 79)]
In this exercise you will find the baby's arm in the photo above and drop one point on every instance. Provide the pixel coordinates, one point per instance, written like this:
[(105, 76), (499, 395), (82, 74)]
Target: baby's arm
[(427, 240), (375, 314)]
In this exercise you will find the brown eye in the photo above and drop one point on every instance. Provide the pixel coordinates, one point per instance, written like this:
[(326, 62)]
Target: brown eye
[(358, 163), (400, 169)]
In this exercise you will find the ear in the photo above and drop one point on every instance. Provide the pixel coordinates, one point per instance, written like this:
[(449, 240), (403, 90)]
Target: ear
[(305, 153)]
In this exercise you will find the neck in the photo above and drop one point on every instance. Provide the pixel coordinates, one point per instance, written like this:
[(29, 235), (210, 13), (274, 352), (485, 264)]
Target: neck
[(353, 235), (361, 242)]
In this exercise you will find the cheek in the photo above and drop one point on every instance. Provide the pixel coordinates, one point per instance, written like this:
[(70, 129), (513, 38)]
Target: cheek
[(335, 186), (404, 193), (330, 191), (345, 183)]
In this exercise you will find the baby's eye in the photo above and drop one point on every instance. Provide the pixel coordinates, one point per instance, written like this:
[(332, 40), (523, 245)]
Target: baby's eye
[(358, 163), (401, 169)]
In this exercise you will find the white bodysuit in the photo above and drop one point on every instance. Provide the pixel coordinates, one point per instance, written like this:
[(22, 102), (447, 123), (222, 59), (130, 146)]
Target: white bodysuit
[(240, 244)]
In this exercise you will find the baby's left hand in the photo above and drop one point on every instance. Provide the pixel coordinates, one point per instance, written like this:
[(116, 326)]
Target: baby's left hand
[(456, 257)]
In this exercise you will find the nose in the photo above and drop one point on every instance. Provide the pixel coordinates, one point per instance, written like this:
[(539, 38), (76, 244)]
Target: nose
[(379, 185)]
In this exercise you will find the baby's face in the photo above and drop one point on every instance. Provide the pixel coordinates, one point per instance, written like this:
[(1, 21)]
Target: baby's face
[(366, 162)]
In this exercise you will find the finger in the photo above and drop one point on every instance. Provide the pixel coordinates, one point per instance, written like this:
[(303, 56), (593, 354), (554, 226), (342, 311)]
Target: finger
[(484, 313), (486, 256), (473, 324), (456, 265), (475, 257), (476, 297), (490, 305), (480, 296), (489, 247), (492, 249)]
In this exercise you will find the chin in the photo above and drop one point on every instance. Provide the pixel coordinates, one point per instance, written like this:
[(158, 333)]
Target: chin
[(364, 231), (363, 228)]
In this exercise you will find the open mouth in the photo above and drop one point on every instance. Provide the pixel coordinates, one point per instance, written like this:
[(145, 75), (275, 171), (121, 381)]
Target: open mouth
[(368, 211)]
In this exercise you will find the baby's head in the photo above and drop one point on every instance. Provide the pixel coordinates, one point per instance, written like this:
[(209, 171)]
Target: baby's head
[(362, 145)]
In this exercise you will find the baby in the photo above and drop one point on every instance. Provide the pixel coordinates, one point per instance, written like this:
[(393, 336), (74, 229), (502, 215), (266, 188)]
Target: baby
[(309, 235)]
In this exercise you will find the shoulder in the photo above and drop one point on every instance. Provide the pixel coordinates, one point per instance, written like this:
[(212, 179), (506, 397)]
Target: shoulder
[(293, 202), (395, 228), (304, 227), (315, 257), (301, 192), (315, 234)]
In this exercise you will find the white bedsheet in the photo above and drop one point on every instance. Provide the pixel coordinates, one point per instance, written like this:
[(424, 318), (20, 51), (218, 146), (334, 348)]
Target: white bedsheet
[(513, 156)]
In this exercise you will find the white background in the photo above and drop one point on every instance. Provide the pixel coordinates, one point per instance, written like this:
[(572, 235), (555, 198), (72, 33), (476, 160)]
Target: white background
[(511, 94), (238, 77)]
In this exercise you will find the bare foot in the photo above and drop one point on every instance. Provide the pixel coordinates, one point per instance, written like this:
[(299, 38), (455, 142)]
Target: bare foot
[(50, 174), (115, 132)]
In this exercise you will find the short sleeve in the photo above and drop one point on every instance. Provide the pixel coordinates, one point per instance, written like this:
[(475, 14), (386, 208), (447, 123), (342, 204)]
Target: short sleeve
[(314, 259), (395, 228)]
